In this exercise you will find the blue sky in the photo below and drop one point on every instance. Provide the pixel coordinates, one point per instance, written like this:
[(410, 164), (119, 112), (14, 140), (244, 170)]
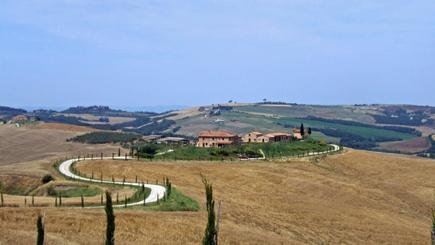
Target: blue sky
[(130, 53)]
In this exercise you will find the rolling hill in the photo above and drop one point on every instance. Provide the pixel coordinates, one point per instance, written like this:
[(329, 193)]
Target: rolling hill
[(392, 128)]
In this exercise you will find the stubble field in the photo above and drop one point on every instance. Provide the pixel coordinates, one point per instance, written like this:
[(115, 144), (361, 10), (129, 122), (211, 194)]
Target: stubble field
[(353, 198)]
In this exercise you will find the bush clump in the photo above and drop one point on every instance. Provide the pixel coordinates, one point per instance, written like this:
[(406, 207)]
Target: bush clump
[(47, 178)]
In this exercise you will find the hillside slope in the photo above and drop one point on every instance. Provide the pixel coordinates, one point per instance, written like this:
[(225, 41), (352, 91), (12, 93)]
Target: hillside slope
[(353, 198)]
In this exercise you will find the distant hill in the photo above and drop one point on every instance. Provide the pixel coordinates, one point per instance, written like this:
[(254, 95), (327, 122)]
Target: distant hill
[(8, 112), (360, 126), (104, 111)]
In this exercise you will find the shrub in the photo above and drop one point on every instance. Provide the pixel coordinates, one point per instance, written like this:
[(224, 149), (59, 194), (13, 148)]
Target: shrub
[(47, 178)]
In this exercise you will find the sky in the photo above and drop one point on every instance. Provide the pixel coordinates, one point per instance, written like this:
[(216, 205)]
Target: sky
[(136, 53)]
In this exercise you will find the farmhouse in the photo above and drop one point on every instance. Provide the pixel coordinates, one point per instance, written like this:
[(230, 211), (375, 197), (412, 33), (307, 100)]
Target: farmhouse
[(251, 137), (274, 137), (19, 118), (216, 139)]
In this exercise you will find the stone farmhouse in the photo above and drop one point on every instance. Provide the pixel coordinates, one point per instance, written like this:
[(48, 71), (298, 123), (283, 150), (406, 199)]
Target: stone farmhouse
[(217, 139), (222, 138), (257, 137)]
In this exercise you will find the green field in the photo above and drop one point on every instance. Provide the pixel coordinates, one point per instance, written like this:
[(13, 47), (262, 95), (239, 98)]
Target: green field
[(365, 132), (301, 111), (264, 123), (76, 191), (177, 201)]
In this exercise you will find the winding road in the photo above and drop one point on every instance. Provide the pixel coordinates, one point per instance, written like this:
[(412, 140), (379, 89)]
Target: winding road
[(157, 191)]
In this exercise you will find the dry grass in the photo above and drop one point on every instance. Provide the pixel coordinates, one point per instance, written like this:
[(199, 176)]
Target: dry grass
[(27, 153), (354, 198), (28, 145), (408, 146), (64, 127), (12, 200)]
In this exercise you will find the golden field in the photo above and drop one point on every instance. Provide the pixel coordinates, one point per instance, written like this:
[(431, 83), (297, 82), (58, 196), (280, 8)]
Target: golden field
[(27, 153), (356, 197)]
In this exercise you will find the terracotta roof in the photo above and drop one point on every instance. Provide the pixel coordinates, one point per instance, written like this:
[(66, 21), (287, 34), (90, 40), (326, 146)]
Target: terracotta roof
[(216, 134), (278, 134)]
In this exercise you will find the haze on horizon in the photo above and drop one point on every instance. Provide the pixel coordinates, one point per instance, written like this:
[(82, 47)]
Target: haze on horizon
[(59, 53)]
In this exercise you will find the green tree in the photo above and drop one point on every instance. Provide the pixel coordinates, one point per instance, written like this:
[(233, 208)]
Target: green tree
[(47, 178), (40, 229), (110, 228), (119, 152), (302, 129), (210, 230), (309, 131)]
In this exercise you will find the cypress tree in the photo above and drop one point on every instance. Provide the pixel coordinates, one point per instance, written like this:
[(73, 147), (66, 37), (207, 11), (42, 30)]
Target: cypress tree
[(110, 228), (113, 155), (2, 199), (136, 178), (55, 201), (123, 180), (101, 177), (143, 187), (25, 200), (113, 180), (309, 131), (40, 229), (117, 198), (101, 156), (33, 200), (125, 201), (119, 152), (101, 199), (302, 129), (60, 199), (210, 230)]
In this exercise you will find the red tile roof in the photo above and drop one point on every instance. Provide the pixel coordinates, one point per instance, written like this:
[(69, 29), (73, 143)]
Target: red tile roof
[(278, 134)]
